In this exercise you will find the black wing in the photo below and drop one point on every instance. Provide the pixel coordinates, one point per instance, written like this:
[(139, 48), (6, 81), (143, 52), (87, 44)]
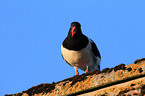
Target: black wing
[(95, 49)]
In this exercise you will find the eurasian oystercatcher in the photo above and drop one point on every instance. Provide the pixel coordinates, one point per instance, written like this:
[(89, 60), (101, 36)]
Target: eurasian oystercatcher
[(79, 51)]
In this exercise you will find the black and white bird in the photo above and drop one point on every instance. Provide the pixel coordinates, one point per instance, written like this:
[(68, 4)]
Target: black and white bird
[(79, 51)]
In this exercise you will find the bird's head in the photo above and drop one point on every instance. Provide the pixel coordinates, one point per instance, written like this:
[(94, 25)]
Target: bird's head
[(75, 29)]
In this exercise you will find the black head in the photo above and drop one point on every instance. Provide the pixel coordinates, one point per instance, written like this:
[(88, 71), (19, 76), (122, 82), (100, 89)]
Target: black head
[(77, 24), (75, 39), (75, 29)]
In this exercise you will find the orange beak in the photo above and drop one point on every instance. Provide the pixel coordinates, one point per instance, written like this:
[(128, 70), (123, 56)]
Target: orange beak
[(73, 31)]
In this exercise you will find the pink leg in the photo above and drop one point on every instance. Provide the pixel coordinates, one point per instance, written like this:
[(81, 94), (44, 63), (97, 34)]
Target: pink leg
[(87, 69), (77, 73)]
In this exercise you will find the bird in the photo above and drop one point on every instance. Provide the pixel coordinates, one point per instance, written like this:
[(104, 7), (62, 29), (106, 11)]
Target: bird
[(79, 51)]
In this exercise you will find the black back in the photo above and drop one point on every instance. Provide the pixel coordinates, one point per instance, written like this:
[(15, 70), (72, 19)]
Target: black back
[(95, 49)]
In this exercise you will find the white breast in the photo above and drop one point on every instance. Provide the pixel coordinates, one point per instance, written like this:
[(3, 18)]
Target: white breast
[(77, 58)]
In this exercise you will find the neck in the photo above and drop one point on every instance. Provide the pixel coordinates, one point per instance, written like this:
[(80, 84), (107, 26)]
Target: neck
[(77, 42)]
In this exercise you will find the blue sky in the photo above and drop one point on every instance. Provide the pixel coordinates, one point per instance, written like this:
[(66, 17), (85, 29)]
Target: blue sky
[(31, 33)]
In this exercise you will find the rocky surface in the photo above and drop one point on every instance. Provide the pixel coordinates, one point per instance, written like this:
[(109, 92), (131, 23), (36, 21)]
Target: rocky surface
[(129, 88), (95, 79)]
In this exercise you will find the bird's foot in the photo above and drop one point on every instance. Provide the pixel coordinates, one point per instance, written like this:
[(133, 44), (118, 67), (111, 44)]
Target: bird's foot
[(77, 73), (87, 69)]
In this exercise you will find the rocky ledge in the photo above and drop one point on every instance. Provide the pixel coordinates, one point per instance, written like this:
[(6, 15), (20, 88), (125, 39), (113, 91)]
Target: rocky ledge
[(132, 76)]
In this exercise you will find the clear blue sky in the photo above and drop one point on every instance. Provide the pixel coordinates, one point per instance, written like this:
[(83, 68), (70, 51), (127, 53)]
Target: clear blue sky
[(31, 33)]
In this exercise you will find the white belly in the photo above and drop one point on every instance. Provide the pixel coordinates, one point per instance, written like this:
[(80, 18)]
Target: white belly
[(77, 58)]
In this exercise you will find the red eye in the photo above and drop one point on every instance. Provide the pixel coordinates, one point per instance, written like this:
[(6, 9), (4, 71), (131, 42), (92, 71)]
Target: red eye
[(72, 25)]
